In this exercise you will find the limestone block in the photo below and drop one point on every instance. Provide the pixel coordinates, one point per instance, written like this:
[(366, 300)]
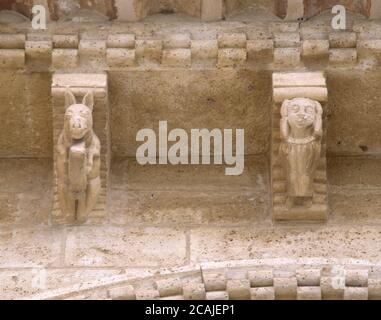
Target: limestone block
[(309, 293), (211, 10), (287, 56), (238, 289), (113, 246), (92, 48), (179, 297), (147, 294), (356, 277), (374, 288), (12, 41), (331, 288), (236, 274), (177, 41), (372, 46), (129, 10), (375, 9), (217, 295), (215, 281), (169, 287), (126, 41), (122, 293), (354, 293), (342, 56), (299, 79), (64, 58), (284, 27), (177, 57), (120, 57), (294, 10), (28, 248), (286, 40), (231, 57), (261, 278), (38, 49), (316, 93), (204, 49), (262, 293), (257, 49), (232, 40), (285, 288), (149, 50), (342, 40), (308, 277), (65, 41), (12, 58), (315, 48), (194, 291)]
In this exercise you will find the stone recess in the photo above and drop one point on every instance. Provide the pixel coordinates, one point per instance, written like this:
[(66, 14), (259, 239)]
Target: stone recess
[(80, 84), (289, 86)]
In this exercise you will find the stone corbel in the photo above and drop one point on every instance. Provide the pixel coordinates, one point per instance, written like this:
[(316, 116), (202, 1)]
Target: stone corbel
[(298, 157), (82, 147)]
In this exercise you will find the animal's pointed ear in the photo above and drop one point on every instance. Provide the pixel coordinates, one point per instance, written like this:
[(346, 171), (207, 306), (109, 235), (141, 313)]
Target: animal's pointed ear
[(88, 100), (69, 98)]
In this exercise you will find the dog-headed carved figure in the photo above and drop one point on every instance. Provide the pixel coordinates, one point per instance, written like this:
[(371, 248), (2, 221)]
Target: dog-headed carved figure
[(301, 132), (78, 160)]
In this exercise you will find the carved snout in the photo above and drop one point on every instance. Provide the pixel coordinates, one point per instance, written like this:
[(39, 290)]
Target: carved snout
[(78, 128)]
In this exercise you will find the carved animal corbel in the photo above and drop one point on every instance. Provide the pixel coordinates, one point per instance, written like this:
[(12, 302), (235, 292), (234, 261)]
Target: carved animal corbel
[(78, 159)]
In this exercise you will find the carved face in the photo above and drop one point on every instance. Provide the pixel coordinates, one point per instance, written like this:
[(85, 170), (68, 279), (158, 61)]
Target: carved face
[(301, 114), (78, 120), (78, 116)]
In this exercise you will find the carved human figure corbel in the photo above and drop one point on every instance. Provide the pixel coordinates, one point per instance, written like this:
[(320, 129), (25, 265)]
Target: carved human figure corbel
[(301, 132), (78, 159)]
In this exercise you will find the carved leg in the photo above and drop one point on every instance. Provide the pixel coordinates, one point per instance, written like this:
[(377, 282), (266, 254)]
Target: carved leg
[(67, 203), (93, 190), (82, 212)]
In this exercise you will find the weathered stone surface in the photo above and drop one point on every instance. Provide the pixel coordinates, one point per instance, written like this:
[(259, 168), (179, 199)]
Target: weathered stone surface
[(249, 243), (30, 247), (209, 99), (354, 102), (112, 246), (25, 115)]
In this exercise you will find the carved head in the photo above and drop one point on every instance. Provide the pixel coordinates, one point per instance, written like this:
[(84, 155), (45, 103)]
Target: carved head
[(303, 113), (78, 116)]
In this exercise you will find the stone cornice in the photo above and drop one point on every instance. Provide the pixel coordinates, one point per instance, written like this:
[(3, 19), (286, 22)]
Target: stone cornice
[(275, 46)]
